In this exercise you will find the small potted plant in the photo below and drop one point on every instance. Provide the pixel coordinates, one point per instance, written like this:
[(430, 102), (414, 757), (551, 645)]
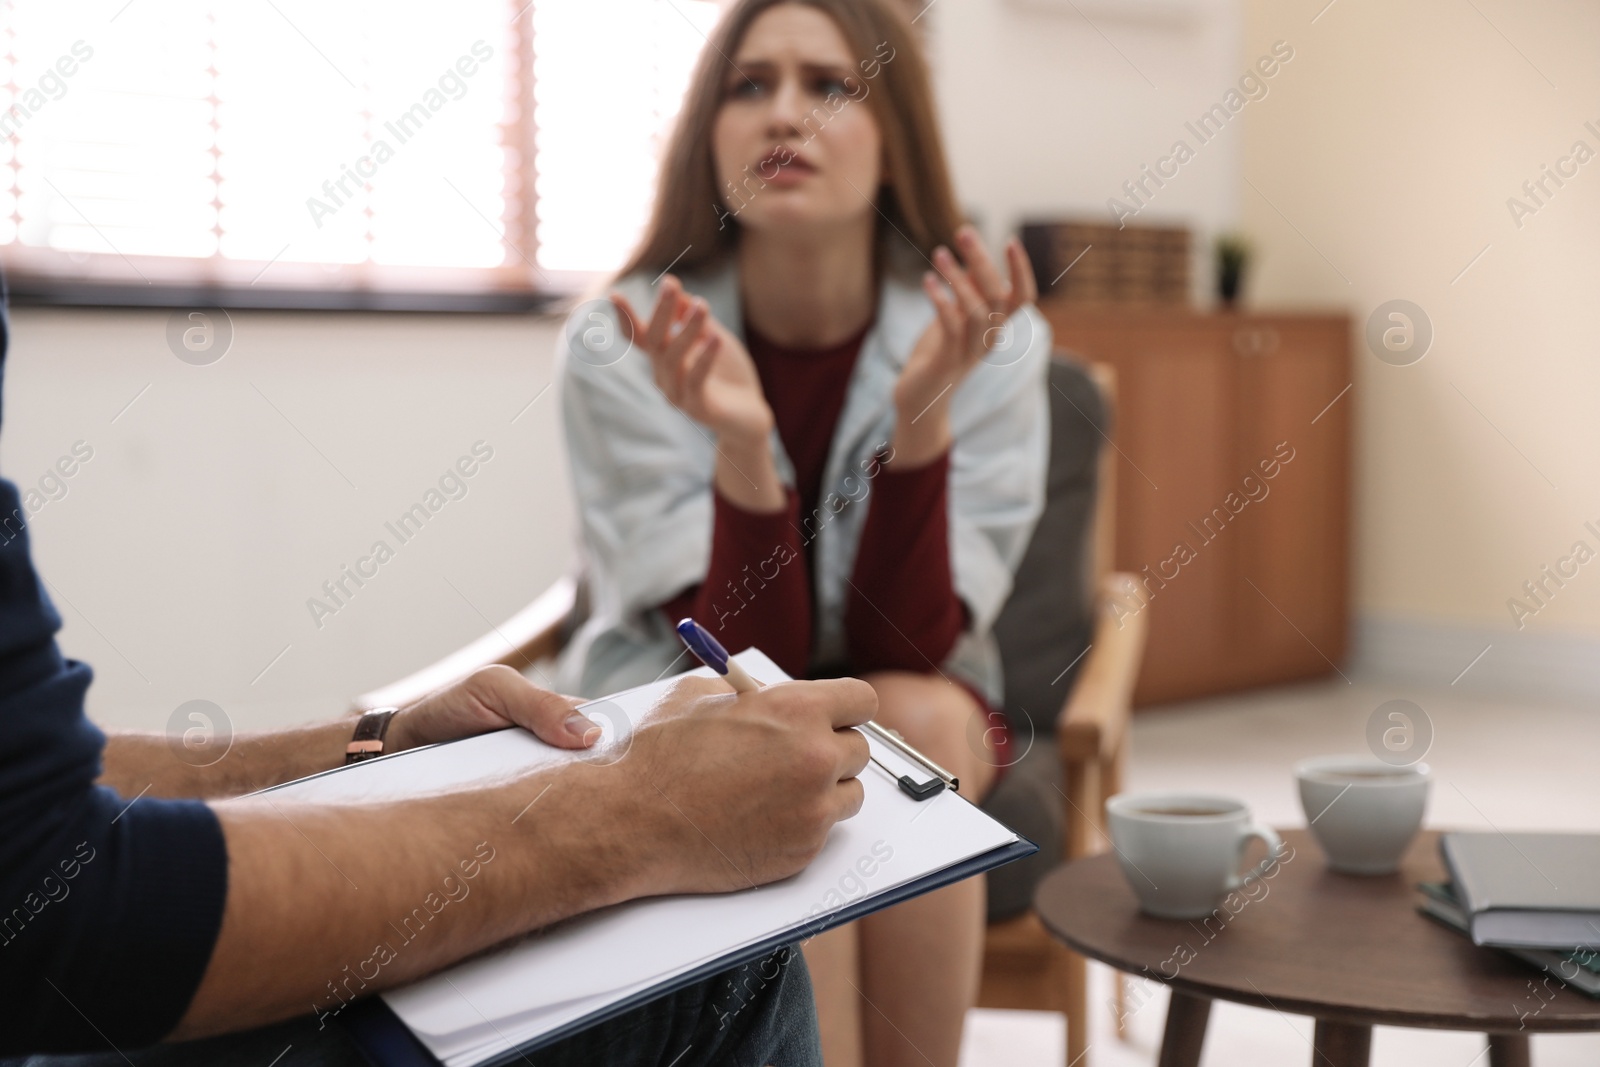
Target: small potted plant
[(1233, 257)]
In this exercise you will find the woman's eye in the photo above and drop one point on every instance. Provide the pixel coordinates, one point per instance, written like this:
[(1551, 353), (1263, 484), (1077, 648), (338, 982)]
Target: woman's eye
[(832, 87), (744, 89)]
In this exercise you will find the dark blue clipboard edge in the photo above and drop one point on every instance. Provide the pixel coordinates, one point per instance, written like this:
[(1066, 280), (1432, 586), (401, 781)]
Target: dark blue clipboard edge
[(385, 1041)]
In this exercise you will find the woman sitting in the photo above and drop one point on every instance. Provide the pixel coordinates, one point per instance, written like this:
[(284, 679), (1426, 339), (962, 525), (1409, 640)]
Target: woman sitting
[(817, 424)]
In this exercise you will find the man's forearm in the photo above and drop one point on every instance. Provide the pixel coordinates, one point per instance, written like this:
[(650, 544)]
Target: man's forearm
[(329, 903), (208, 764), (221, 766)]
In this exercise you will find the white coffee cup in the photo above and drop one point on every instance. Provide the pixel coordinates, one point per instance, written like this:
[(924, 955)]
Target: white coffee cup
[(1363, 812), (1181, 851)]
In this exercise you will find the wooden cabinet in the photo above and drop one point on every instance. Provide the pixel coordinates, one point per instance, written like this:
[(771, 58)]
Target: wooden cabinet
[(1233, 486)]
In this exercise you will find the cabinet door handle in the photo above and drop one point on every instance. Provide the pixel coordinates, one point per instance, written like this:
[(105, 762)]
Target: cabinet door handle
[(1255, 340)]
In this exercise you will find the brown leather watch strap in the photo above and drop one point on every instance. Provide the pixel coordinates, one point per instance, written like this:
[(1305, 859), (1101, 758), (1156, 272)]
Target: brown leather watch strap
[(367, 743)]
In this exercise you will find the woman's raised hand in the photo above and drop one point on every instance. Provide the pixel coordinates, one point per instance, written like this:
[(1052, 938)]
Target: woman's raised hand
[(705, 372), (699, 366), (971, 321)]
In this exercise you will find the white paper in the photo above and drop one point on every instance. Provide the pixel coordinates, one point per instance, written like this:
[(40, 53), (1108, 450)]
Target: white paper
[(484, 1006)]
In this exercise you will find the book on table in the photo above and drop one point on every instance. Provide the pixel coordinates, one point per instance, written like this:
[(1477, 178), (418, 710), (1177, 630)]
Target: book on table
[(1527, 890), (496, 1008), (1578, 967)]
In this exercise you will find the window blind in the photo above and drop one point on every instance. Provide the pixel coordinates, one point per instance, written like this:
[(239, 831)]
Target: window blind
[(335, 144)]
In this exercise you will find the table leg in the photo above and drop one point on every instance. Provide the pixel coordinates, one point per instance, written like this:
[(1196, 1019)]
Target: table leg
[(1187, 1016), (1509, 1050), (1342, 1044), (1073, 982)]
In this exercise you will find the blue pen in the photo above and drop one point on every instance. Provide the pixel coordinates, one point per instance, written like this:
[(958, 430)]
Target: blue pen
[(710, 652)]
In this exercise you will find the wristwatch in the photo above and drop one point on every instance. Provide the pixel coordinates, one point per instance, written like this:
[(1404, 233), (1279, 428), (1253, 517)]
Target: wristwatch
[(368, 740)]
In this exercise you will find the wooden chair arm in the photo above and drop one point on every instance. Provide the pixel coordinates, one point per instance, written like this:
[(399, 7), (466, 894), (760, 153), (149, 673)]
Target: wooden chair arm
[(529, 635), (1094, 717)]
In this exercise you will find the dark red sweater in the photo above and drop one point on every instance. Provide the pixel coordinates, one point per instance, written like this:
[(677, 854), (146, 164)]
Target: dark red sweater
[(902, 612)]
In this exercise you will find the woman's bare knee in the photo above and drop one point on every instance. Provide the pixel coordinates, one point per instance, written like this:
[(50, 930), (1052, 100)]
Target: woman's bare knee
[(932, 714)]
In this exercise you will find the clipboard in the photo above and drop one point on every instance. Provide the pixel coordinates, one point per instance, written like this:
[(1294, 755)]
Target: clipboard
[(494, 1008), (386, 1041)]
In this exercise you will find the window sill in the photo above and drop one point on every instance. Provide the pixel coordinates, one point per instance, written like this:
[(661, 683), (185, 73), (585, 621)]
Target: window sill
[(45, 292)]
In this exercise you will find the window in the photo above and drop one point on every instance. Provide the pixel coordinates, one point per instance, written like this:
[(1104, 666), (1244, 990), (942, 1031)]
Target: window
[(333, 146), (604, 102)]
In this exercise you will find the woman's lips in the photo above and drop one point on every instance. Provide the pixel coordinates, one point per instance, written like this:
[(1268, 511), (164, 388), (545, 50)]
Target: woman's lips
[(784, 166)]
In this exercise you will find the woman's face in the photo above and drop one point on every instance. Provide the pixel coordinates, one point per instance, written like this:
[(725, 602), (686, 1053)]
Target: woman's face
[(794, 142)]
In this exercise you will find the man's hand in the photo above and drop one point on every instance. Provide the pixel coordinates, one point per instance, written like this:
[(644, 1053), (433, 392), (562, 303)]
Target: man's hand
[(491, 698), (712, 791), (736, 790)]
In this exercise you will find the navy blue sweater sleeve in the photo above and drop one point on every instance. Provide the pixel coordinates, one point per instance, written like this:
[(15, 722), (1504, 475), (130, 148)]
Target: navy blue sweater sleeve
[(108, 911)]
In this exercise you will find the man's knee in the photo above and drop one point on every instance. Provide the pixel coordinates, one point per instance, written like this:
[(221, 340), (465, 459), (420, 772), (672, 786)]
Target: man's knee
[(761, 1012), (765, 1008)]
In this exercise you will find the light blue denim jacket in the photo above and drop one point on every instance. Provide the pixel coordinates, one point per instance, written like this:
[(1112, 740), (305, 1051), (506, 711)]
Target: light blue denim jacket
[(642, 473)]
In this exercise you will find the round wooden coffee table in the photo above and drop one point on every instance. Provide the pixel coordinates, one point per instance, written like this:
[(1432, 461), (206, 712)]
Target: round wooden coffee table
[(1352, 952)]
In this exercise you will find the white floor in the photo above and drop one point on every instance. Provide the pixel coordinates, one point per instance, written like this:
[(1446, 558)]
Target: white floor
[(1497, 765)]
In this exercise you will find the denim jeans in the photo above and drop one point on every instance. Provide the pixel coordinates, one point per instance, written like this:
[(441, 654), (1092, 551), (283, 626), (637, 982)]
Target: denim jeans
[(751, 1016)]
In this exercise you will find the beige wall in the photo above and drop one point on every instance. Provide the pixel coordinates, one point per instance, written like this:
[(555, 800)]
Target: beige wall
[(1392, 151)]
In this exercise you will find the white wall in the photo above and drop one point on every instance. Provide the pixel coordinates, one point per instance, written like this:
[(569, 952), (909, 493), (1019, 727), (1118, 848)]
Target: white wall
[(185, 550), (1050, 106)]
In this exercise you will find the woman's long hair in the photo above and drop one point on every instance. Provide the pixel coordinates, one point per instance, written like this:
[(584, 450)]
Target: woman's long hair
[(915, 204)]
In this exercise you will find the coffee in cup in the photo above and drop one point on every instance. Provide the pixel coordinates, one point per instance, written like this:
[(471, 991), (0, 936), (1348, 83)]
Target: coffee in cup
[(1181, 852), (1362, 811)]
